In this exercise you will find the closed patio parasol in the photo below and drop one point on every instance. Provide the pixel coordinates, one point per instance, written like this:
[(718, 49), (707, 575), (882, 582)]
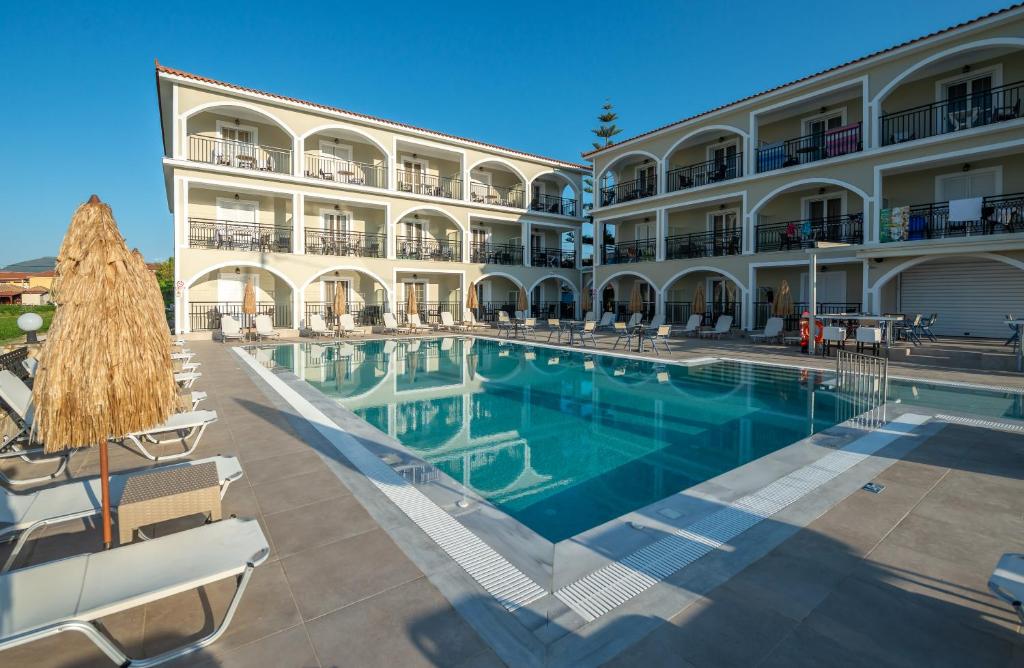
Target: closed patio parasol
[(521, 305), (105, 369), (340, 304), (471, 301), (411, 307), (249, 303), (587, 301), (699, 300), (636, 304), (783, 301)]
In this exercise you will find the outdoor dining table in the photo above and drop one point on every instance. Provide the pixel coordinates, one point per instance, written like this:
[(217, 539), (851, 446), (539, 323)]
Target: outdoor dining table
[(574, 328), (640, 333), (885, 320), (1018, 325)]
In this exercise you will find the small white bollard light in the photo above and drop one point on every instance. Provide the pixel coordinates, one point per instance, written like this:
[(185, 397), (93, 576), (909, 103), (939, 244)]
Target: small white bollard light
[(30, 324)]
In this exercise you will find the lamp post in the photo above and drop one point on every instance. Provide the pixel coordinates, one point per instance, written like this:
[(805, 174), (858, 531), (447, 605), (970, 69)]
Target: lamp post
[(30, 323)]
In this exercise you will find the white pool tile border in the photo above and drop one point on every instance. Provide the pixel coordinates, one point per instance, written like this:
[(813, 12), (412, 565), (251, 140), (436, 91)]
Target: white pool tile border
[(506, 583), (605, 589), (978, 422)]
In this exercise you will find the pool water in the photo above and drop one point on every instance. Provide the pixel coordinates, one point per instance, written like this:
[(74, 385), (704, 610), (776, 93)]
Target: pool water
[(565, 441)]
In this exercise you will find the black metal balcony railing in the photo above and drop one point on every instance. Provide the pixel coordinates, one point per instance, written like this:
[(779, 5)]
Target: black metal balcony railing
[(430, 312), (552, 257), (678, 313), (239, 154), (358, 244), (999, 214), (510, 253), (797, 234), (810, 148), (641, 250), (488, 311), (704, 244), (411, 248), (345, 171), (587, 261), (549, 309), (204, 316), (229, 235), (481, 193), (763, 311), (629, 190), (622, 310), (368, 314), (703, 173), (427, 184), (996, 105), (554, 204)]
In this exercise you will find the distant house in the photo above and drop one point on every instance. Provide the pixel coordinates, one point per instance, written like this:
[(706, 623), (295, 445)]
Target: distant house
[(19, 287)]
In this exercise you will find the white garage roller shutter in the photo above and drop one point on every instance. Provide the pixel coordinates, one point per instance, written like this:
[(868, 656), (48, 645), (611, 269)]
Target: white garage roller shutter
[(972, 297)]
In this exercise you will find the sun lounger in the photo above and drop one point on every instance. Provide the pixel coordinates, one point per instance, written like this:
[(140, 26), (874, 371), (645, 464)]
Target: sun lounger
[(692, 327), (415, 325), (73, 594), (722, 328), (265, 328), (195, 397), (635, 320), (317, 326), (470, 322), (1007, 581), (346, 324), (186, 379), (448, 323), (607, 320), (24, 514), (182, 425), (772, 331), (230, 328), (17, 397), (391, 325)]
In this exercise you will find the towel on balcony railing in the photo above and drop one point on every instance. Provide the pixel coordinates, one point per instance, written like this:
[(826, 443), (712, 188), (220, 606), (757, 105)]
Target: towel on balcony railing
[(840, 141), (965, 210)]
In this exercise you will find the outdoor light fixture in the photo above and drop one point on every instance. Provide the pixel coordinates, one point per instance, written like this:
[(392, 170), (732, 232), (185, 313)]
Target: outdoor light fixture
[(967, 167), (30, 324), (824, 109), (336, 207), (967, 68), (238, 122), (335, 140), (236, 195), (821, 191), (237, 270), (335, 273)]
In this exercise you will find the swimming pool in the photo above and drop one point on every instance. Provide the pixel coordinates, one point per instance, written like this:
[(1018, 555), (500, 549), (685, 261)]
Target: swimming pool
[(564, 441)]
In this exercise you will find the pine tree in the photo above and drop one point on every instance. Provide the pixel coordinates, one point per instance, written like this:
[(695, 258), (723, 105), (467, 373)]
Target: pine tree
[(608, 129)]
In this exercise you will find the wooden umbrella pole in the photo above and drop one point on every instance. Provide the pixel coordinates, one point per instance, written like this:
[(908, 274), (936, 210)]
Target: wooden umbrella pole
[(105, 491)]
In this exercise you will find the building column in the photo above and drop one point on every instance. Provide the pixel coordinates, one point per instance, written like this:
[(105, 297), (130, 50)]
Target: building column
[(297, 158), (812, 302), (298, 223), (298, 309), (661, 226), (391, 243), (749, 234), (181, 320), (598, 241), (578, 247), (527, 228)]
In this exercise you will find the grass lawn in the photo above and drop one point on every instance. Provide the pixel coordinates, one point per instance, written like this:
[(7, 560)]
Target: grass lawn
[(9, 313)]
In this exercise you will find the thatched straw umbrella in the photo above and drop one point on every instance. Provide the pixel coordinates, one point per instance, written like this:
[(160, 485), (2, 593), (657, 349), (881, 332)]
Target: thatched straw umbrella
[(249, 302), (699, 304), (521, 304), (636, 304), (105, 370), (783, 301)]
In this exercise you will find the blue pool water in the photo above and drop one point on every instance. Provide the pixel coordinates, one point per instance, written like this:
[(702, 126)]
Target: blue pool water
[(564, 441)]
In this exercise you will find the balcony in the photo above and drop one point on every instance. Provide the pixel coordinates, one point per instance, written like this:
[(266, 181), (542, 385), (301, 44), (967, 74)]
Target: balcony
[(705, 244), (481, 193), (642, 250), (347, 172), (1000, 214), (239, 154), (427, 184), (704, 173), (412, 248), (797, 234), (552, 204), (205, 316), (352, 244), (628, 191), (953, 115), (552, 257), (810, 148), (510, 253), (229, 235)]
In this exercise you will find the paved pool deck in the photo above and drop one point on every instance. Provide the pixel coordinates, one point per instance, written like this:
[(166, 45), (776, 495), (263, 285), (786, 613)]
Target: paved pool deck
[(894, 579)]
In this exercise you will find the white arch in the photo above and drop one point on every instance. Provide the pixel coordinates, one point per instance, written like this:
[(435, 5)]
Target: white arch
[(551, 172), (685, 138), (425, 207), (244, 105), (622, 157), (575, 290), (339, 126), (503, 162), (960, 48), (715, 270), (808, 181), (903, 266), (241, 263), (626, 272), (358, 270), (492, 274)]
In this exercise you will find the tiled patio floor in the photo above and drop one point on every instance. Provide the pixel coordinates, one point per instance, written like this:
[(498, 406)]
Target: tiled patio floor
[(895, 579)]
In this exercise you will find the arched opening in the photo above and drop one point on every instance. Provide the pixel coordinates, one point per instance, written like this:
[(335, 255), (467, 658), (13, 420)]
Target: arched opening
[(428, 424), (721, 295), (498, 183), (966, 86), (365, 296), (239, 136), (344, 155), (625, 285), (807, 212), (554, 193), (496, 292), (629, 177), (428, 234), (220, 291), (553, 297), (708, 156)]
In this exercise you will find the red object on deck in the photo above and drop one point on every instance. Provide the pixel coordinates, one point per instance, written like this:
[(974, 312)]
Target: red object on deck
[(805, 331)]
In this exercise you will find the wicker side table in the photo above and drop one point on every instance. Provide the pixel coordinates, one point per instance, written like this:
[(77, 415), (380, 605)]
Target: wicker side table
[(159, 496)]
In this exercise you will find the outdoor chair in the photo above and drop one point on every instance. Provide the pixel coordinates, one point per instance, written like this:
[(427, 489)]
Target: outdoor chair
[(73, 594), (1007, 581), (318, 327), (469, 320), (833, 336), (661, 335), (391, 325), (181, 426), (504, 324), (183, 357), (772, 331), (926, 327), (587, 332), (447, 322), (554, 328), (25, 514), (692, 326), (907, 330), (415, 325), (529, 327), (722, 327), (589, 316), (622, 333), (346, 324), (186, 379), (230, 328), (635, 320), (1015, 337), (17, 398), (656, 322), (265, 328), (868, 336)]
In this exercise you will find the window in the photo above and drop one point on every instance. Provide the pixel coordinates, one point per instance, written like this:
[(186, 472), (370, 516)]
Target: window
[(724, 225), (481, 236), (231, 286), (330, 149), (420, 288), (244, 134), (231, 210), (644, 231), (963, 185), (413, 229), (336, 222), (646, 175), (724, 159)]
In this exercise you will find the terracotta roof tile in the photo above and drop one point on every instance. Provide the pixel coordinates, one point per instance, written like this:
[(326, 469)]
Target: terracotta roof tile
[(376, 119), (964, 24)]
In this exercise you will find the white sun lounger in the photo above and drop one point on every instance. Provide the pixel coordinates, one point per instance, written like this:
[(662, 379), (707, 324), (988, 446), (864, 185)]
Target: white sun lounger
[(24, 514), (346, 324), (318, 327), (1007, 581), (73, 594), (18, 398), (415, 325), (183, 426), (470, 322), (692, 325), (772, 331), (230, 329), (187, 378), (448, 323), (265, 328), (722, 327), (391, 325)]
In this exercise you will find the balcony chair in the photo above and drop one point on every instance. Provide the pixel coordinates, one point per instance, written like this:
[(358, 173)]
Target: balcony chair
[(1006, 113)]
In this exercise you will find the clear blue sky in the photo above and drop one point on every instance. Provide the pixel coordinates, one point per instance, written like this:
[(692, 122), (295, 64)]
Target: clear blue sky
[(81, 116)]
